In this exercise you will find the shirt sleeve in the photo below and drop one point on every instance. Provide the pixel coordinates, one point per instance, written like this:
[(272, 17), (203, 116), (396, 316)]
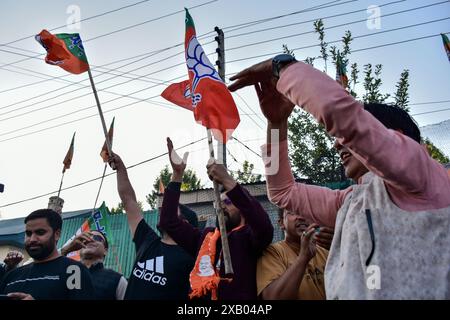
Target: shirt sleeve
[(121, 288), (255, 216), (143, 233), (401, 162), (184, 234), (314, 203), (270, 267)]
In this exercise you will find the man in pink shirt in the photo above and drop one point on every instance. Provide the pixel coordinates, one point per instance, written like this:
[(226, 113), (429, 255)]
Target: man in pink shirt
[(392, 228)]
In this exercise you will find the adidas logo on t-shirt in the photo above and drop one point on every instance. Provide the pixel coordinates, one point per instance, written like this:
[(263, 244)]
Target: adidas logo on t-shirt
[(149, 270)]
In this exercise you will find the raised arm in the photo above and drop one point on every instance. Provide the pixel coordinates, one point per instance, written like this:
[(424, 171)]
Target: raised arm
[(127, 194), (377, 147), (181, 232), (314, 203)]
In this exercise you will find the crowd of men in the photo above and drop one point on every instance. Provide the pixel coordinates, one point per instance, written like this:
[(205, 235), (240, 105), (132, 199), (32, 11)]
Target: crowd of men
[(385, 237)]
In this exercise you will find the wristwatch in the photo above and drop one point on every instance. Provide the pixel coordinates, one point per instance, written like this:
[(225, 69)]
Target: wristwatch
[(279, 62)]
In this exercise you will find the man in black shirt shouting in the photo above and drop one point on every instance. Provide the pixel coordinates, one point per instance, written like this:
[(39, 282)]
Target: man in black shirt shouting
[(50, 276)]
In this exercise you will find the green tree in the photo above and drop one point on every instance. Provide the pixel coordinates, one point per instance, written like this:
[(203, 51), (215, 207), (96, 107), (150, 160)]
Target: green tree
[(402, 95), (121, 210), (190, 182), (372, 84), (246, 175), (435, 152)]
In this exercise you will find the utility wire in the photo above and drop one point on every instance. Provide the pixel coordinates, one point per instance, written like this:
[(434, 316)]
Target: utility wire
[(85, 19), (98, 178)]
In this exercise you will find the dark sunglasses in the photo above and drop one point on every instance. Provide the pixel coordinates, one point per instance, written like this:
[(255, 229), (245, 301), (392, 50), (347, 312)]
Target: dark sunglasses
[(98, 238), (227, 201)]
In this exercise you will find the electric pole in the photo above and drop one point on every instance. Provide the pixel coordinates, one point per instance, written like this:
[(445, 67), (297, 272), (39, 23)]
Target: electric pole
[(221, 147)]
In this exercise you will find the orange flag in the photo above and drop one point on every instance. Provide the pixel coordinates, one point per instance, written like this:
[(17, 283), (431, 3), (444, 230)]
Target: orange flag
[(68, 159), (104, 153), (64, 50), (212, 103), (179, 94)]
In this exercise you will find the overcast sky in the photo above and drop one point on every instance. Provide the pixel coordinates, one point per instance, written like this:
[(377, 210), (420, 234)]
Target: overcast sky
[(37, 120)]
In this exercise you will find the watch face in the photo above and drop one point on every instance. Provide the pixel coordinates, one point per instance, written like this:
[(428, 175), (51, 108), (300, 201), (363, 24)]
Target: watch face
[(279, 62)]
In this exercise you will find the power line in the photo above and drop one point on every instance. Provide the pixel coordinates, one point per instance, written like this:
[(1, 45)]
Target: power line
[(336, 26), (259, 21), (123, 29), (384, 31), (98, 178), (85, 19), (336, 41), (246, 146), (178, 77), (309, 21), (428, 112)]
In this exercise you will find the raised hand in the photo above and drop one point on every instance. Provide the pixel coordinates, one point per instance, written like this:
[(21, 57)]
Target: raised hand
[(324, 237), (275, 107), (260, 72), (219, 174), (78, 243), (308, 246), (12, 259), (178, 164)]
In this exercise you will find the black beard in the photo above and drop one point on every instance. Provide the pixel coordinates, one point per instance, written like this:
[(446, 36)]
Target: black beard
[(44, 251)]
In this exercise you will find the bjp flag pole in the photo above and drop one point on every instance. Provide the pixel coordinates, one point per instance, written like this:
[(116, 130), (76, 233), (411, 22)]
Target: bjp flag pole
[(66, 51)]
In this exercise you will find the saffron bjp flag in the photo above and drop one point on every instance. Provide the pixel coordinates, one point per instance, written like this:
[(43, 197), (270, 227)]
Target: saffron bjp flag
[(210, 99), (446, 45), (179, 94), (104, 153), (99, 221), (341, 72), (64, 50), (68, 159)]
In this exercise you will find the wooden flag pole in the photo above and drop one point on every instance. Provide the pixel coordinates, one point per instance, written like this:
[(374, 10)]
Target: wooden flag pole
[(220, 216), (60, 184), (100, 112)]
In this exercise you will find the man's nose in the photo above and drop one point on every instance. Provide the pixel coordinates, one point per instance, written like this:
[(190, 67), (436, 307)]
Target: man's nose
[(337, 145)]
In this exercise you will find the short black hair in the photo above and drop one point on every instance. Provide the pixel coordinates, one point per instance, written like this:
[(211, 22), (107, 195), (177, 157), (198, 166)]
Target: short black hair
[(394, 117), (53, 218)]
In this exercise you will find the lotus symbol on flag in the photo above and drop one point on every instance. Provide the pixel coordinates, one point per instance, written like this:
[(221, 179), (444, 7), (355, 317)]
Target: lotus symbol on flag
[(199, 64)]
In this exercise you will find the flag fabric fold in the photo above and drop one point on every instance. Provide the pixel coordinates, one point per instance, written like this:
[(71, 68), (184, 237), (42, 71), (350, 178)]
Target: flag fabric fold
[(179, 94), (69, 155), (104, 152), (210, 99), (446, 45), (64, 50)]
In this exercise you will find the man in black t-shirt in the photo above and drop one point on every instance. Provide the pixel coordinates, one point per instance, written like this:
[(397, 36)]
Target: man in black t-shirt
[(161, 270), (50, 276)]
